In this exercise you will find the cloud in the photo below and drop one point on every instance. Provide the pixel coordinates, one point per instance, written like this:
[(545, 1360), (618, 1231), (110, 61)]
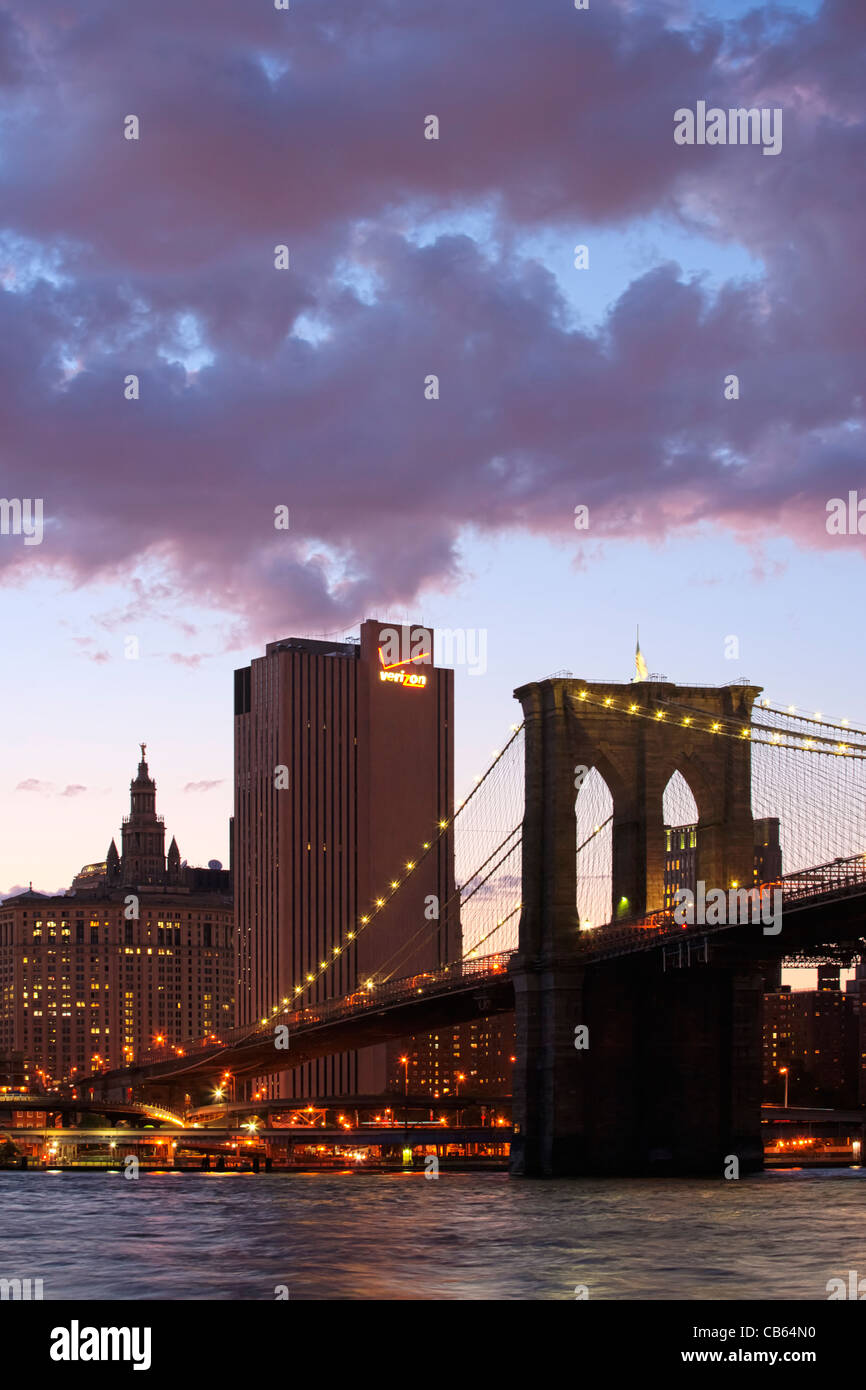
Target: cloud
[(203, 786), (28, 888), (305, 388), (33, 784), (187, 659)]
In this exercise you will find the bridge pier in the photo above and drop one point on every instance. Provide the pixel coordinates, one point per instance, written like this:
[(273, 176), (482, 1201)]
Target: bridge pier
[(668, 1083)]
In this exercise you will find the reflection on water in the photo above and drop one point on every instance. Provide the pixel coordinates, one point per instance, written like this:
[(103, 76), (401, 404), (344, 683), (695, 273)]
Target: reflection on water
[(401, 1236)]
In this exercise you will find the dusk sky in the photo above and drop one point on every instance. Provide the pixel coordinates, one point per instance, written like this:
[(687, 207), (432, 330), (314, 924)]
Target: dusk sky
[(558, 387)]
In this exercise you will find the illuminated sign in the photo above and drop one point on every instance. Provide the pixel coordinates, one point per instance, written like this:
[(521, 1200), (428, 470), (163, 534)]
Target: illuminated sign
[(408, 678)]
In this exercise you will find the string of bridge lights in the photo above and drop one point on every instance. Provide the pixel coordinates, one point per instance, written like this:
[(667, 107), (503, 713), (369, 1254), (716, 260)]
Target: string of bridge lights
[(384, 897), (726, 727), (810, 717)]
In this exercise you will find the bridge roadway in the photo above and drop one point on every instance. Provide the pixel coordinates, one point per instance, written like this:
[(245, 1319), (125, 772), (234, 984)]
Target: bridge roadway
[(777, 1119), (819, 905), (205, 1114), (454, 994)]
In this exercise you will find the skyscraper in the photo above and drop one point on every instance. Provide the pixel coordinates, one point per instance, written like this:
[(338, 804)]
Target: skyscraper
[(344, 769)]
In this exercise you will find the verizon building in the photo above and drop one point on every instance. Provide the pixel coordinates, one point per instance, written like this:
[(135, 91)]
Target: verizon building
[(344, 768)]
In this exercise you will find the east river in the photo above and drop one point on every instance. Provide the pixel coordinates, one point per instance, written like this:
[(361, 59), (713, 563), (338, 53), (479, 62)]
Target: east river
[(779, 1235)]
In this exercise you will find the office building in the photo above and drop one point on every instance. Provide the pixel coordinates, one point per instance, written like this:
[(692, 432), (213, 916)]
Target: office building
[(343, 773), (130, 957)]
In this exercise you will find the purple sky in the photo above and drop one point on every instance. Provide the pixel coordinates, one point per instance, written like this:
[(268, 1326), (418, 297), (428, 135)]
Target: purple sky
[(305, 387)]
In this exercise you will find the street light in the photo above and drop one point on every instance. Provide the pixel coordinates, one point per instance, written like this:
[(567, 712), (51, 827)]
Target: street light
[(784, 1072)]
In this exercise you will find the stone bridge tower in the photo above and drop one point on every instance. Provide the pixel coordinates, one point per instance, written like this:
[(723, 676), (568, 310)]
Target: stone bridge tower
[(636, 735)]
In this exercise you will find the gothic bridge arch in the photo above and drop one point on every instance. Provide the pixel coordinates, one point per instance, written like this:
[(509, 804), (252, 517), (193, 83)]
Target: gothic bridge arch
[(569, 725)]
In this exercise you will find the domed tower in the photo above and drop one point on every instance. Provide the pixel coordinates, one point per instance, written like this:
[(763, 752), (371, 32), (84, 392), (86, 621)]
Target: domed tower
[(143, 832)]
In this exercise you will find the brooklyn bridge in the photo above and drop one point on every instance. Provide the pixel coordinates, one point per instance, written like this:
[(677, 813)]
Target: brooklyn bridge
[(638, 1022)]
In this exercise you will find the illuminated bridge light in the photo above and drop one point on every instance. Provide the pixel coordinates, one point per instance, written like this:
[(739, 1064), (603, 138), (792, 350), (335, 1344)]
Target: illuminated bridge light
[(380, 902), (395, 883), (442, 824)]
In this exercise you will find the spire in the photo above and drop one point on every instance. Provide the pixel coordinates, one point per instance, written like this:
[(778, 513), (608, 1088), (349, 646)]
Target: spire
[(112, 863), (143, 773), (640, 668)]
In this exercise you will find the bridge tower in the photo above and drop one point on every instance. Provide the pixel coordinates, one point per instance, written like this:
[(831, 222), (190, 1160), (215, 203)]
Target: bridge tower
[(671, 1077)]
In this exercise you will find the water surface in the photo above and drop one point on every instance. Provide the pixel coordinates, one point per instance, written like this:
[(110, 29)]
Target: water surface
[(780, 1234)]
